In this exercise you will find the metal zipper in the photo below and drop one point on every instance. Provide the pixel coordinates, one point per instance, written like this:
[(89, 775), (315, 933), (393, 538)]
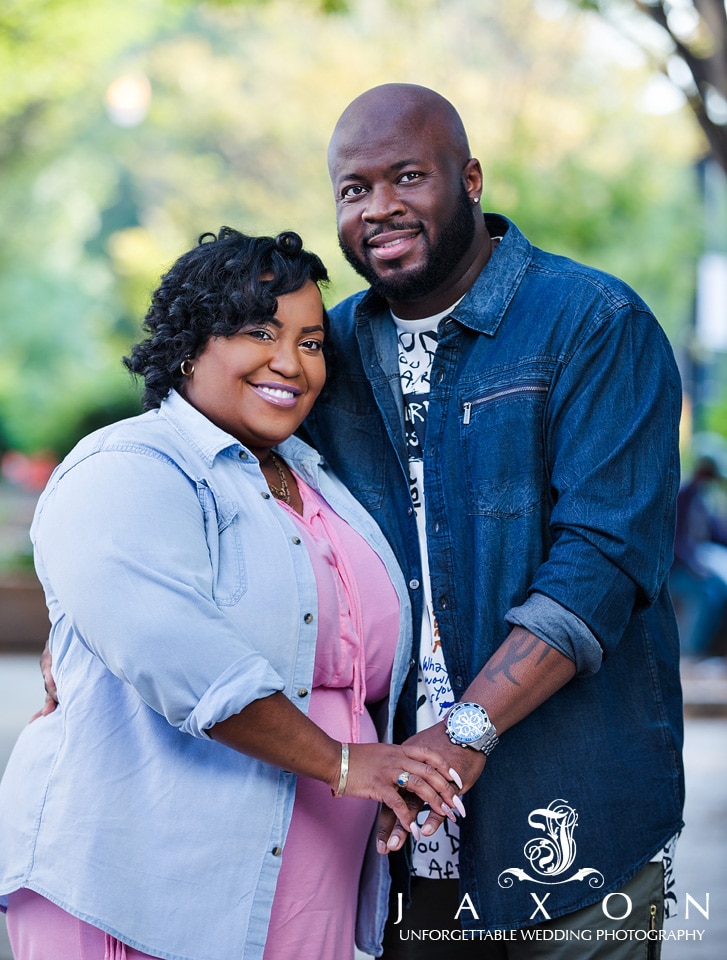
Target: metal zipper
[(651, 947), (504, 392)]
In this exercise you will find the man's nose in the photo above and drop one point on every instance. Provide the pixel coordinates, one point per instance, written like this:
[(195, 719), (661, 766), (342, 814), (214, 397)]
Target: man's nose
[(383, 202)]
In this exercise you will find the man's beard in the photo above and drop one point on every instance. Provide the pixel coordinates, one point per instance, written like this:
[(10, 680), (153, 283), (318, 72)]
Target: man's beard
[(442, 259)]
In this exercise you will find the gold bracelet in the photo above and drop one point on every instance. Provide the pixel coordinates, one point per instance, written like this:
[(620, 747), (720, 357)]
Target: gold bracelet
[(343, 779)]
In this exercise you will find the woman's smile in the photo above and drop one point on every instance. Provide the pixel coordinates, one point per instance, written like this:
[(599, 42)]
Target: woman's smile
[(281, 395)]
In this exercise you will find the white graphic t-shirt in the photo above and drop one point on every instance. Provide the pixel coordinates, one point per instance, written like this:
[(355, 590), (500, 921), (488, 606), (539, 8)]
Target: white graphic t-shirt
[(436, 857)]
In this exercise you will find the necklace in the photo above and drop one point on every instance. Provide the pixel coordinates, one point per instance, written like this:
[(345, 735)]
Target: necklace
[(283, 491)]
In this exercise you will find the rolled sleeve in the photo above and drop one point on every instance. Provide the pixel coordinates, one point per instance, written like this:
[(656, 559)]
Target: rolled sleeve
[(561, 629), (251, 678), (613, 424)]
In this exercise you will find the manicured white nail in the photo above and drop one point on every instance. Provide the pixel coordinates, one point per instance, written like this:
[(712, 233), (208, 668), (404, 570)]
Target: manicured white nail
[(380, 846), (456, 777), (428, 829), (459, 805), (393, 842), (415, 831), (449, 813)]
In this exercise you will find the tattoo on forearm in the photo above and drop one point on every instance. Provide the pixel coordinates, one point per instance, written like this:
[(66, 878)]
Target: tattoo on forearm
[(520, 646)]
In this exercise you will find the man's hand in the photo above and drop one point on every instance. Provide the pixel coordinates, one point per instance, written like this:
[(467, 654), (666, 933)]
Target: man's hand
[(522, 673), (51, 694)]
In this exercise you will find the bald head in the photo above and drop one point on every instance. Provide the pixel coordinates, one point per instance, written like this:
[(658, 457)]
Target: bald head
[(407, 197), (393, 109)]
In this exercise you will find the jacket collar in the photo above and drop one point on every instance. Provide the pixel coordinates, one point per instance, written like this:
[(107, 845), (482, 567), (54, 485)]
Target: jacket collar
[(487, 300)]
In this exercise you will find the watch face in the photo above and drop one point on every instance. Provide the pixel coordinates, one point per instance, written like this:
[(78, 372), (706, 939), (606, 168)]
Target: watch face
[(467, 723)]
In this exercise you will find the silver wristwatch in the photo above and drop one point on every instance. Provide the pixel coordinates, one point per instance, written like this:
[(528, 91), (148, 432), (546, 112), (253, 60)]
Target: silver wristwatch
[(469, 726)]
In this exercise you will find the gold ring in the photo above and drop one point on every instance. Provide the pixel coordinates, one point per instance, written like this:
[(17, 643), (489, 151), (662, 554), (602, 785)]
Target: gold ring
[(403, 779)]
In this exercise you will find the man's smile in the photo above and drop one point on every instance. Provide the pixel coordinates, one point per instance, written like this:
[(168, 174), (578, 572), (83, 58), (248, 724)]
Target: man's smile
[(392, 244)]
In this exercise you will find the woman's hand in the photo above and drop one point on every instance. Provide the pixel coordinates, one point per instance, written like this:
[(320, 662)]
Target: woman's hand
[(51, 693), (373, 768), (463, 769), (376, 768)]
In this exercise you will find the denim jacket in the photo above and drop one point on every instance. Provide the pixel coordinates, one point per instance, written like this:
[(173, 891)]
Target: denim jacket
[(550, 475), (179, 592)]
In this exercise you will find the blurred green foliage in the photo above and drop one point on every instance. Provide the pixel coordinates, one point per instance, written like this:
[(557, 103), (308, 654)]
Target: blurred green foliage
[(228, 110), (686, 40)]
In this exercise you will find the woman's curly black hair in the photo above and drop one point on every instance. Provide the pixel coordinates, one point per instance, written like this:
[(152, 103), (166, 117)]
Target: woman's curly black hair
[(228, 280)]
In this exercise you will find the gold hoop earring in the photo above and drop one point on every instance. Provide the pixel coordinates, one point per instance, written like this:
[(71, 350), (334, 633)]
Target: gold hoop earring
[(187, 367)]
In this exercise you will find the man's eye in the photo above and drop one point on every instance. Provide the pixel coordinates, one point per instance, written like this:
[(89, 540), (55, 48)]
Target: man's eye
[(410, 176), (355, 190)]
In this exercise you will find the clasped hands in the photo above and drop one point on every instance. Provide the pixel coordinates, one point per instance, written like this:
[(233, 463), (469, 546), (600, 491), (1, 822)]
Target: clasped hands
[(460, 767), (438, 773)]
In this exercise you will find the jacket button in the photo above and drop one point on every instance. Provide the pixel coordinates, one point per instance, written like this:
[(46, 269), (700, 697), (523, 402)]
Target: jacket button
[(276, 851), (443, 603), (302, 691), (414, 584), (264, 494), (296, 540), (308, 618), (243, 455)]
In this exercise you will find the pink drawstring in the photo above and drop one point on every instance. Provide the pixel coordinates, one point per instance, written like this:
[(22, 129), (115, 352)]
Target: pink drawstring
[(113, 949), (353, 598)]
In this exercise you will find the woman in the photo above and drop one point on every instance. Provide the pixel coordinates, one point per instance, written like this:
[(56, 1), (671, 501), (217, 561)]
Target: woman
[(225, 621)]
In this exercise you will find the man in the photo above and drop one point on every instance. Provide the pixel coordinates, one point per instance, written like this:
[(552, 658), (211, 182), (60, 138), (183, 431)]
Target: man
[(510, 419)]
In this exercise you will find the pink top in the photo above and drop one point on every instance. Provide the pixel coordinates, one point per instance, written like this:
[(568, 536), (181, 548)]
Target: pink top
[(314, 909)]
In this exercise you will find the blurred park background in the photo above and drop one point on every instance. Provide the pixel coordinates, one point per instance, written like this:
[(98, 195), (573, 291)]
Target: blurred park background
[(128, 129)]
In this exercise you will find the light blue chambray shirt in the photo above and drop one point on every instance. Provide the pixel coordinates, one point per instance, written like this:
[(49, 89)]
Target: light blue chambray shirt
[(178, 593)]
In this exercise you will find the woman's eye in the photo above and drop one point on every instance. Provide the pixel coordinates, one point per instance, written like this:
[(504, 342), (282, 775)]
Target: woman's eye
[(257, 334), (312, 345)]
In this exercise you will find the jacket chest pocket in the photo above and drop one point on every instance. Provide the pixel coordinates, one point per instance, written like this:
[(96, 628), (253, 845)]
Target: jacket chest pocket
[(501, 431), (222, 530)]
